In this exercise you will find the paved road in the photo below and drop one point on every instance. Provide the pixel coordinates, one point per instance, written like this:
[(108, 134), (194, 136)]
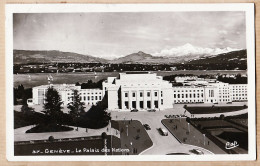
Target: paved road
[(161, 144)]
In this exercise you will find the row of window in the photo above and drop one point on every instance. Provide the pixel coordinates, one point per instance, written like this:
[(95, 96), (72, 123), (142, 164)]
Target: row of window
[(85, 93), (141, 94), (239, 98), (188, 95), (187, 90), (84, 98), (188, 101), (141, 104), (239, 94)]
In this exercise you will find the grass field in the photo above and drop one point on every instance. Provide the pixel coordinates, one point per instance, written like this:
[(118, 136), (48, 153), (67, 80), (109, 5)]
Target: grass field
[(133, 132), (214, 109), (222, 131), (188, 134), (75, 146)]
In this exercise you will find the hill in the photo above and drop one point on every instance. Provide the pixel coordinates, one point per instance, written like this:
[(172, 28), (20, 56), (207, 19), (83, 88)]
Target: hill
[(237, 57), (29, 56)]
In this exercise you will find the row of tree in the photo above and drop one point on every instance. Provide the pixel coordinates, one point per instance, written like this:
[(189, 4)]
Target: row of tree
[(95, 117)]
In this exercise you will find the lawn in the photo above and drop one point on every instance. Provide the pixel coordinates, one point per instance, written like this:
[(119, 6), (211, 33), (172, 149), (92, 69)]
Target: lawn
[(214, 109), (187, 134), (25, 119), (133, 132), (241, 120), (73, 146), (43, 128), (222, 131)]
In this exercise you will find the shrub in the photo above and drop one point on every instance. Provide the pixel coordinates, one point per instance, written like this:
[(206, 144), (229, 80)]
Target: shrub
[(222, 116), (51, 138)]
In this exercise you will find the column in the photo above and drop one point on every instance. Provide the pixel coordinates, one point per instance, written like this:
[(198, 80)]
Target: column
[(159, 99), (130, 99), (145, 99), (122, 99), (137, 99), (152, 99)]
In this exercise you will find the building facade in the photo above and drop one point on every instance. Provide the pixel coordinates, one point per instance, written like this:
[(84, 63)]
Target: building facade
[(66, 92), (138, 90), (143, 91)]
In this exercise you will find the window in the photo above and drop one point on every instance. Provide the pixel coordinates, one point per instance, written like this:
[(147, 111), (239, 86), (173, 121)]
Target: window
[(141, 94), (148, 104), (133, 104), (155, 94), (162, 101), (84, 98), (96, 97), (126, 94), (148, 94), (88, 98), (174, 95), (156, 104), (92, 97), (141, 104), (162, 93), (126, 104), (133, 94), (99, 97)]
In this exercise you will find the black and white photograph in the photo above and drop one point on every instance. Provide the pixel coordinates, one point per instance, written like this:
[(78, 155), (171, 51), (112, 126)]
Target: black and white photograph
[(163, 82)]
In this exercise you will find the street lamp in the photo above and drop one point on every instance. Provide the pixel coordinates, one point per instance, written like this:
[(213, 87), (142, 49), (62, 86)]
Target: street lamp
[(131, 147), (188, 126), (126, 130), (111, 135), (204, 139)]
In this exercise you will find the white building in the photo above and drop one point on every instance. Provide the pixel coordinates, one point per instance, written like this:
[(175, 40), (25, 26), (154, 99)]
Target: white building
[(209, 91), (238, 92), (138, 90), (88, 96), (143, 90)]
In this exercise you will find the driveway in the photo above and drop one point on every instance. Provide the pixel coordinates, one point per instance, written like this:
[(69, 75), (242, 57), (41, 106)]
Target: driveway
[(161, 144)]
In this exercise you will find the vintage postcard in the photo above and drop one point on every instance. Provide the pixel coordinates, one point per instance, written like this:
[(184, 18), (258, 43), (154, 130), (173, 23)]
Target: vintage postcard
[(128, 82)]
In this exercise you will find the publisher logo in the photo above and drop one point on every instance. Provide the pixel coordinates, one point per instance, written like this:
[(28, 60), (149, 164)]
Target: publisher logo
[(231, 145)]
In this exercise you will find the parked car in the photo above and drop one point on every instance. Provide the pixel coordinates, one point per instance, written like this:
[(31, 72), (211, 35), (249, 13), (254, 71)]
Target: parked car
[(164, 132), (152, 110), (134, 110), (197, 151), (147, 127)]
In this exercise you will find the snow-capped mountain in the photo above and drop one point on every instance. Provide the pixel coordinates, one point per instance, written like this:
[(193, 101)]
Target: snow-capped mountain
[(189, 50)]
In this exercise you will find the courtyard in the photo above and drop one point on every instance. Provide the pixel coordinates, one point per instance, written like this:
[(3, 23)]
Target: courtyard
[(127, 128)]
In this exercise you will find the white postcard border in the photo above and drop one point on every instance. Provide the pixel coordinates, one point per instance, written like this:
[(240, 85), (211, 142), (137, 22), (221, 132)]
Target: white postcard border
[(77, 8)]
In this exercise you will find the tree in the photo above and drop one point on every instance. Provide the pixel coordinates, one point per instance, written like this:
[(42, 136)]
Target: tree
[(76, 106), (98, 115), (222, 116), (26, 109), (52, 106)]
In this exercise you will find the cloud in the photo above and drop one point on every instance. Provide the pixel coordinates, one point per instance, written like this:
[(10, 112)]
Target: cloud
[(223, 32), (167, 39)]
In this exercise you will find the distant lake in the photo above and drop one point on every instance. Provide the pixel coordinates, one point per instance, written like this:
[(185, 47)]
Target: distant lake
[(36, 79)]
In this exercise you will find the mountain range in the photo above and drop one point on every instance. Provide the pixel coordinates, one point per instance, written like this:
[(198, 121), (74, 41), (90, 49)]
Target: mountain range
[(183, 54)]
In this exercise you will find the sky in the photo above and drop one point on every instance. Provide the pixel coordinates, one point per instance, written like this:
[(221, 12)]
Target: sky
[(112, 35)]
